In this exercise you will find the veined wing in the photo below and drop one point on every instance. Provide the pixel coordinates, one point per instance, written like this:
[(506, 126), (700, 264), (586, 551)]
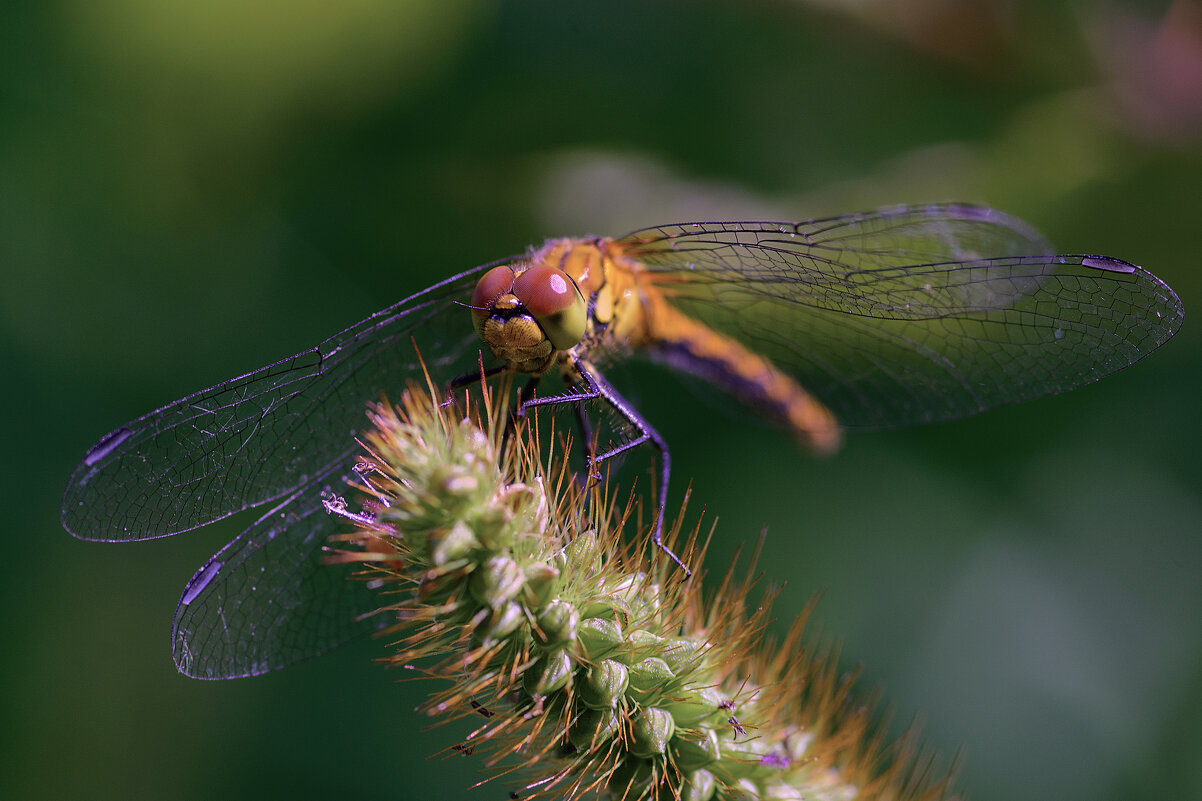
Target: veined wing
[(253, 439), (266, 600), (913, 314)]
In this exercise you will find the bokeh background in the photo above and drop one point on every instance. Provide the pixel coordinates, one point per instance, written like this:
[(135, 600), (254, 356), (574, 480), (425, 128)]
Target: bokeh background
[(189, 190)]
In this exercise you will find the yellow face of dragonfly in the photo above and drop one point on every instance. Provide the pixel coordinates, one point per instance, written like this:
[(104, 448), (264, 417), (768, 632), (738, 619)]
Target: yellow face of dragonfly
[(526, 318)]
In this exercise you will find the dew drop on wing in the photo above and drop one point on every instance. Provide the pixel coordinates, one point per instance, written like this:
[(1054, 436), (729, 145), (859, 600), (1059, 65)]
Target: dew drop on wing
[(201, 580)]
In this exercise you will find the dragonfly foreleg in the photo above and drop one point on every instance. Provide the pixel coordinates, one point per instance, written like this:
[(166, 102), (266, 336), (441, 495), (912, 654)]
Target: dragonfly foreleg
[(525, 395), (587, 436), (593, 386), (467, 379)]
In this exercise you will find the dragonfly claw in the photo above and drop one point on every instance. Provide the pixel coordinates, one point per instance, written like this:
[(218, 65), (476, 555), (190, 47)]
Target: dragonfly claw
[(658, 540)]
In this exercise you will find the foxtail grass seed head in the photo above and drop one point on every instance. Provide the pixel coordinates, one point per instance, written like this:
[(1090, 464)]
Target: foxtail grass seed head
[(592, 668)]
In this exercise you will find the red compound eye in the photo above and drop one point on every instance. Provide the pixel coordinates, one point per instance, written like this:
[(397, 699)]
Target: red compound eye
[(492, 285), (555, 301), (545, 290)]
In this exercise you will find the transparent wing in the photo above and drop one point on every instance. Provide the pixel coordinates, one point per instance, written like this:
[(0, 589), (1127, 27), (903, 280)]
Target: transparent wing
[(912, 314), (253, 439), (266, 600)]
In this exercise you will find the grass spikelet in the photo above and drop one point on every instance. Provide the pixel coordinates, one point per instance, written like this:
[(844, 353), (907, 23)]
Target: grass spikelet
[(590, 667)]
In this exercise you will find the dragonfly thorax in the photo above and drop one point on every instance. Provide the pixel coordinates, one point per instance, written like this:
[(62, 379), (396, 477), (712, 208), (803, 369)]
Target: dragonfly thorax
[(526, 316)]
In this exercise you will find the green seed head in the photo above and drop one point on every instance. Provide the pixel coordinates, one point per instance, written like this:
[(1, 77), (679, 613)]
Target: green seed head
[(604, 685), (497, 581), (549, 674), (653, 730), (651, 679), (558, 622), (602, 671)]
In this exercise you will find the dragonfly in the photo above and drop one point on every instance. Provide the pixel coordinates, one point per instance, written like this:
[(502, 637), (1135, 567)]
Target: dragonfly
[(901, 316)]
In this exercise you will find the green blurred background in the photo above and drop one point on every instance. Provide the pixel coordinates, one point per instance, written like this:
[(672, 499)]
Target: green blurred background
[(189, 190)]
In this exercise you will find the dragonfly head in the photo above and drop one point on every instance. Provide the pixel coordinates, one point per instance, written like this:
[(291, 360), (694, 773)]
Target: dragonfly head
[(525, 317)]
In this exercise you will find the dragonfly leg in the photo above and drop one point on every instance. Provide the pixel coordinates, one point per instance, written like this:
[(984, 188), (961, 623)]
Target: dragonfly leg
[(484, 373), (467, 379), (525, 394), (588, 444), (595, 386), (586, 435)]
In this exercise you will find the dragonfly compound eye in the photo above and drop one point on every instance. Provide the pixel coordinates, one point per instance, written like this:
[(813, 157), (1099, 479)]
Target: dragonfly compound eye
[(492, 285), (555, 301)]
